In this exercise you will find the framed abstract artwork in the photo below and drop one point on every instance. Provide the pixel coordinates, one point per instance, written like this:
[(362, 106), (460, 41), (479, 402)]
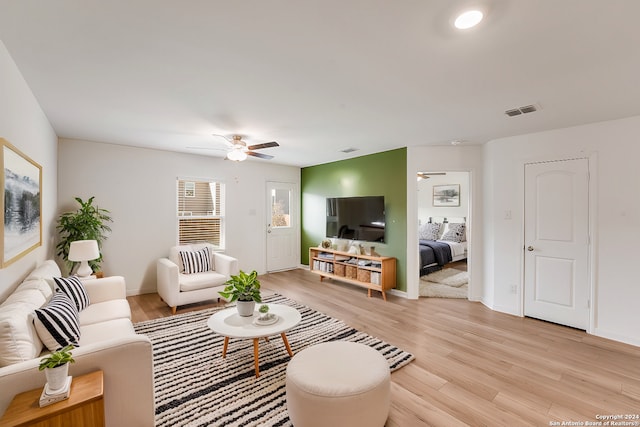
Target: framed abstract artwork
[(21, 204), (446, 195)]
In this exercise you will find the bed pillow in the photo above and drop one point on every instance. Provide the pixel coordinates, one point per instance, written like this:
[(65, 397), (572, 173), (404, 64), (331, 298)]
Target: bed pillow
[(196, 261), (429, 231), (72, 286), (57, 323), (454, 233), (464, 233)]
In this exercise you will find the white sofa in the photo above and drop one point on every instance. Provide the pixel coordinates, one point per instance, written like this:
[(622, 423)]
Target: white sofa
[(177, 288), (108, 342)]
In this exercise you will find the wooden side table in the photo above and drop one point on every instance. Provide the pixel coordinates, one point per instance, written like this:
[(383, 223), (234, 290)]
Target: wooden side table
[(84, 407)]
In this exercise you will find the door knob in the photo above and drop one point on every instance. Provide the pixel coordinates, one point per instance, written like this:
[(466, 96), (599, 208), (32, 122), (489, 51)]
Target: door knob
[(529, 248)]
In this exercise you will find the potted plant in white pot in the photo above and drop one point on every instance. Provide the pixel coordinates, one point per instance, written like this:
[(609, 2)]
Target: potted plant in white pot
[(56, 367), (245, 289)]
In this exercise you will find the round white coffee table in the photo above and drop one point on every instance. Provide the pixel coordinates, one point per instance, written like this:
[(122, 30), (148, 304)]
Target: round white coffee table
[(230, 324)]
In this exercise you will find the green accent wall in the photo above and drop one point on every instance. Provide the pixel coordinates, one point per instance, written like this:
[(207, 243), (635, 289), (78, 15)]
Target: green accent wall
[(381, 174)]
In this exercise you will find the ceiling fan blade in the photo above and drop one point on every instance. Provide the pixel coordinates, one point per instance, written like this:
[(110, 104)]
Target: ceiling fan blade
[(263, 145), (259, 155), (428, 174)]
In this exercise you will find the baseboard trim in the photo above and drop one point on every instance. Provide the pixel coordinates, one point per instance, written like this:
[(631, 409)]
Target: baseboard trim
[(602, 333), (133, 292), (398, 293), (506, 310)]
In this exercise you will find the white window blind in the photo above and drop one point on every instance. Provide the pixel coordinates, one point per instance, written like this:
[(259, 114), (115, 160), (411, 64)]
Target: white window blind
[(200, 212)]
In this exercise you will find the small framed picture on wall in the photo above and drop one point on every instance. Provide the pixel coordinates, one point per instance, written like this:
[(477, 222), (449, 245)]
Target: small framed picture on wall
[(446, 195)]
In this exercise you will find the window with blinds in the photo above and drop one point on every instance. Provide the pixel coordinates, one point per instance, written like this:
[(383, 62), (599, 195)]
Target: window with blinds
[(200, 212)]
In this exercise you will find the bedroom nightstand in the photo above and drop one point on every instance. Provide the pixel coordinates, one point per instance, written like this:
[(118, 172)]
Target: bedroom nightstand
[(84, 407)]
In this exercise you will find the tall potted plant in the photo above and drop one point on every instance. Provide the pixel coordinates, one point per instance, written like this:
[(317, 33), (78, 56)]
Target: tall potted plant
[(89, 222), (245, 289)]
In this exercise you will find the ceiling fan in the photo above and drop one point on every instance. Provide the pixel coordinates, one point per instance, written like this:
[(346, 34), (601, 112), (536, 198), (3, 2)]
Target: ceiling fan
[(239, 150), (427, 175)]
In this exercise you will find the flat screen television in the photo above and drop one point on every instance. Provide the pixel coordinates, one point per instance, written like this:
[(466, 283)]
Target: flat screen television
[(356, 218)]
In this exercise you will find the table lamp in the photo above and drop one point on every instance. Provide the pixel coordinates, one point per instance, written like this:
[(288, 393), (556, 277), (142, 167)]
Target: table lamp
[(84, 251)]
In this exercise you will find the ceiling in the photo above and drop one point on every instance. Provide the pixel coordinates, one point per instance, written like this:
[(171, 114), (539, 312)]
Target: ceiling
[(320, 76)]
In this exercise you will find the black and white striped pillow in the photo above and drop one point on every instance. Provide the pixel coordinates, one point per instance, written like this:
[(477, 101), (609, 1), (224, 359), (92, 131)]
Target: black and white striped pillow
[(72, 286), (196, 261), (57, 323)]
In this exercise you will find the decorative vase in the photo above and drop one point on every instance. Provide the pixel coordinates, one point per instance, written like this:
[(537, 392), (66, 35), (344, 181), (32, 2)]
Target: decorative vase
[(56, 377), (245, 308)]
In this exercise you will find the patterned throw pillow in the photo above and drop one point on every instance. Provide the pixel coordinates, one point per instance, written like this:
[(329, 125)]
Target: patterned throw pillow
[(429, 231), (196, 261), (454, 233), (57, 323), (72, 286)]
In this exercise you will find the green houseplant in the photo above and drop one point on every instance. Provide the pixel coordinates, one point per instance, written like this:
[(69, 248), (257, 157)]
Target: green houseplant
[(264, 313), (89, 222), (245, 289), (56, 367)]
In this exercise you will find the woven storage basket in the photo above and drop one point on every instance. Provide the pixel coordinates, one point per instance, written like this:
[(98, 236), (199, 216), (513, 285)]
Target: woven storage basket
[(339, 270), (351, 272), (364, 275)]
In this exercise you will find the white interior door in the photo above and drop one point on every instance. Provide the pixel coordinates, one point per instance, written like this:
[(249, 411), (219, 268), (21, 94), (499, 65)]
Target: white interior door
[(556, 260), (282, 226)]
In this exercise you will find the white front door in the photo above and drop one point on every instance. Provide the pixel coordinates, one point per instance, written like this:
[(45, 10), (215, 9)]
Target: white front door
[(282, 226), (556, 255)]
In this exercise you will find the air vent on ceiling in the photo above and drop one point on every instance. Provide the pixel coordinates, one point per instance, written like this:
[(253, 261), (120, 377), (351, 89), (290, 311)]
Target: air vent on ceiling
[(521, 110), (349, 150)]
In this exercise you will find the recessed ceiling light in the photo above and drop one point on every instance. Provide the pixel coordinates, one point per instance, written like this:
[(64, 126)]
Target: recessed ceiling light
[(468, 19)]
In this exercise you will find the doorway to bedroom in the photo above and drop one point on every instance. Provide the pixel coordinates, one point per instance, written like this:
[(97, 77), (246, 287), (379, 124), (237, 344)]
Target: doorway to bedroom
[(443, 214)]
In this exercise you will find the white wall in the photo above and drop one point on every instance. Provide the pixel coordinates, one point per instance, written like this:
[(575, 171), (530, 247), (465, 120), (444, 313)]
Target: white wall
[(138, 186), (24, 125), (616, 148), (446, 158), (425, 197)]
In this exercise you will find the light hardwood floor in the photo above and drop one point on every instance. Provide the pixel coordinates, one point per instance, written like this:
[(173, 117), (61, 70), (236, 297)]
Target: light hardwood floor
[(473, 366)]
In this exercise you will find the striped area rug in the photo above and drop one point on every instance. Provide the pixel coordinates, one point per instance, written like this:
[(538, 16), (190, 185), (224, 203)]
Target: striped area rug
[(195, 386)]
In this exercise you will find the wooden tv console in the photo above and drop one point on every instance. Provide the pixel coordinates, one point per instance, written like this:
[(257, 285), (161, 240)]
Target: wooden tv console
[(372, 272)]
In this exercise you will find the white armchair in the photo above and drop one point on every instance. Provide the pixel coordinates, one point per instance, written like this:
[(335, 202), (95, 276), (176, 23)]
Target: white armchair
[(177, 288)]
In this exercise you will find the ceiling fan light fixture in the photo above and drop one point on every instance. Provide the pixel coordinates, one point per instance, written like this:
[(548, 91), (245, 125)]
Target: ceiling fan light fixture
[(468, 19), (237, 155)]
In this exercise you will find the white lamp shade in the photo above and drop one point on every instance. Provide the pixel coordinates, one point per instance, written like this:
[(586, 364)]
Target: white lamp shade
[(83, 251)]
